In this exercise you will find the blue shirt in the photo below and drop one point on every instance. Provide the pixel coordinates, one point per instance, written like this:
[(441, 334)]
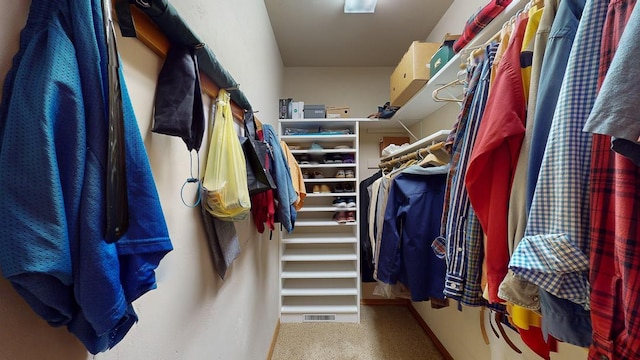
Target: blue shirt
[(53, 156), (411, 222), (615, 111), (554, 251), (556, 56), (286, 193)]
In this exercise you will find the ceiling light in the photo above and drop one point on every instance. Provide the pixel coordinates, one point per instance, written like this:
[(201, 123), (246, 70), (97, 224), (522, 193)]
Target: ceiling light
[(359, 6)]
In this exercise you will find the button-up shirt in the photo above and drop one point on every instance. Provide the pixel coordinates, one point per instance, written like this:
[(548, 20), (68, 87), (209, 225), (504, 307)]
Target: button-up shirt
[(561, 39), (615, 202), (463, 247), (553, 252)]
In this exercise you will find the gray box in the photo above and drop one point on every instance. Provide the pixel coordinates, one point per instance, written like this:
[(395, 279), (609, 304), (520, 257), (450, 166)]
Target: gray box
[(314, 112)]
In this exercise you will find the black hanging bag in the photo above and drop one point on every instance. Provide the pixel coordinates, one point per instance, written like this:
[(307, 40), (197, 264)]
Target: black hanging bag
[(257, 155)]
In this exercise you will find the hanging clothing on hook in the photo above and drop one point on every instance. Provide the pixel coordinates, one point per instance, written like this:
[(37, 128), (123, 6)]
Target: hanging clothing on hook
[(52, 233)]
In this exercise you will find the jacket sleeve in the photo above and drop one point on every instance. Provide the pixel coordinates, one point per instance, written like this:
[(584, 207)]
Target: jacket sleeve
[(389, 260)]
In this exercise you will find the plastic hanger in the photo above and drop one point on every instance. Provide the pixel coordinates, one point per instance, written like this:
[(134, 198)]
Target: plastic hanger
[(438, 97)]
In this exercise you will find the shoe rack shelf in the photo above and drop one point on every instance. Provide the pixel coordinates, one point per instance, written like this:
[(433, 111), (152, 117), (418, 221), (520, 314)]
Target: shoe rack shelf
[(319, 260)]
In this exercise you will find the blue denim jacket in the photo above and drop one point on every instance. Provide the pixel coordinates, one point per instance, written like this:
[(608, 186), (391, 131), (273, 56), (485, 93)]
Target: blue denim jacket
[(286, 193)]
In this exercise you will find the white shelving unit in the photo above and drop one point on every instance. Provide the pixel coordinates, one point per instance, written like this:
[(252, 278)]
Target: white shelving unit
[(319, 260), (422, 104)]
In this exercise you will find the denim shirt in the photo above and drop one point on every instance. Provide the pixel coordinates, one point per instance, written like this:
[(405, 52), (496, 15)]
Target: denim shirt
[(286, 193)]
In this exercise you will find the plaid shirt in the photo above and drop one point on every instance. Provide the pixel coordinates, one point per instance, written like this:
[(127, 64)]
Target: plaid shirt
[(615, 213), (553, 253), (478, 21)]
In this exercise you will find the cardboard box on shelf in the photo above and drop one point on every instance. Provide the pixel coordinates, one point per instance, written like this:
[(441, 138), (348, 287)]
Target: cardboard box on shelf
[(388, 140), (338, 112), (412, 73)]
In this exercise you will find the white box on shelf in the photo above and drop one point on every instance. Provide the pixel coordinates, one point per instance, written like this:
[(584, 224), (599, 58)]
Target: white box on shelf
[(297, 110)]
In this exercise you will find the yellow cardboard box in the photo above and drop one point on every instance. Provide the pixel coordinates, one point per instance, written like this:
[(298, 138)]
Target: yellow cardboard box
[(412, 73)]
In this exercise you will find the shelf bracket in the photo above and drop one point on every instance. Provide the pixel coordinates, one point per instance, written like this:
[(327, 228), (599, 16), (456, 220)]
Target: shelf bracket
[(407, 129)]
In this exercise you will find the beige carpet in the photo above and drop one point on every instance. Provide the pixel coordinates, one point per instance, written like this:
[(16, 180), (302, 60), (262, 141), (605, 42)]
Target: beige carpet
[(385, 332)]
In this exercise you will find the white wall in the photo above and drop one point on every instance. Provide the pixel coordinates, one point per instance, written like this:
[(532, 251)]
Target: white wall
[(454, 18), (193, 314), (363, 89)]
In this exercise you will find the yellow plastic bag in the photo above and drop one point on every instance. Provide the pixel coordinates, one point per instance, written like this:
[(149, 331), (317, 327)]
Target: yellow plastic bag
[(225, 177)]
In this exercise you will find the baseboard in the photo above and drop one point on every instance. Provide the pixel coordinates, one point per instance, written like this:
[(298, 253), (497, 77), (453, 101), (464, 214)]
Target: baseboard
[(274, 340), (443, 351), (373, 302)]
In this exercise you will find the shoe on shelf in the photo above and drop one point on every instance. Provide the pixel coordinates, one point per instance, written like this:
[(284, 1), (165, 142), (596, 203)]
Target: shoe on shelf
[(316, 189), (351, 202), (317, 174), (328, 159), (304, 159), (342, 147), (305, 174), (324, 188), (316, 147), (339, 188), (340, 217), (340, 174), (340, 202), (349, 174), (337, 159), (348, 159), (350, 216), (348, 187)]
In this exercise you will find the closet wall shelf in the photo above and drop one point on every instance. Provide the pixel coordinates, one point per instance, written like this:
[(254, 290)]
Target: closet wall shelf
[(319, 292), (319, 254), (325, 208), (326, 309), (330, 195), (325, 151), (319, 240), (304, 270), (323, 138), (428, 140), (329, 180), (328, 166), (422, 104), (311, 222)]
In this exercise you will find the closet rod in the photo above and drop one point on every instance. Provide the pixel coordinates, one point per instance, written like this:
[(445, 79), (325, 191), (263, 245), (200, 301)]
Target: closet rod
[(152, 37), (397, 161)]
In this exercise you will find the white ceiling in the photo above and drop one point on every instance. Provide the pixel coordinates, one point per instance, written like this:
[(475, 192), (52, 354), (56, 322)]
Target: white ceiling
[(318, 33)]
